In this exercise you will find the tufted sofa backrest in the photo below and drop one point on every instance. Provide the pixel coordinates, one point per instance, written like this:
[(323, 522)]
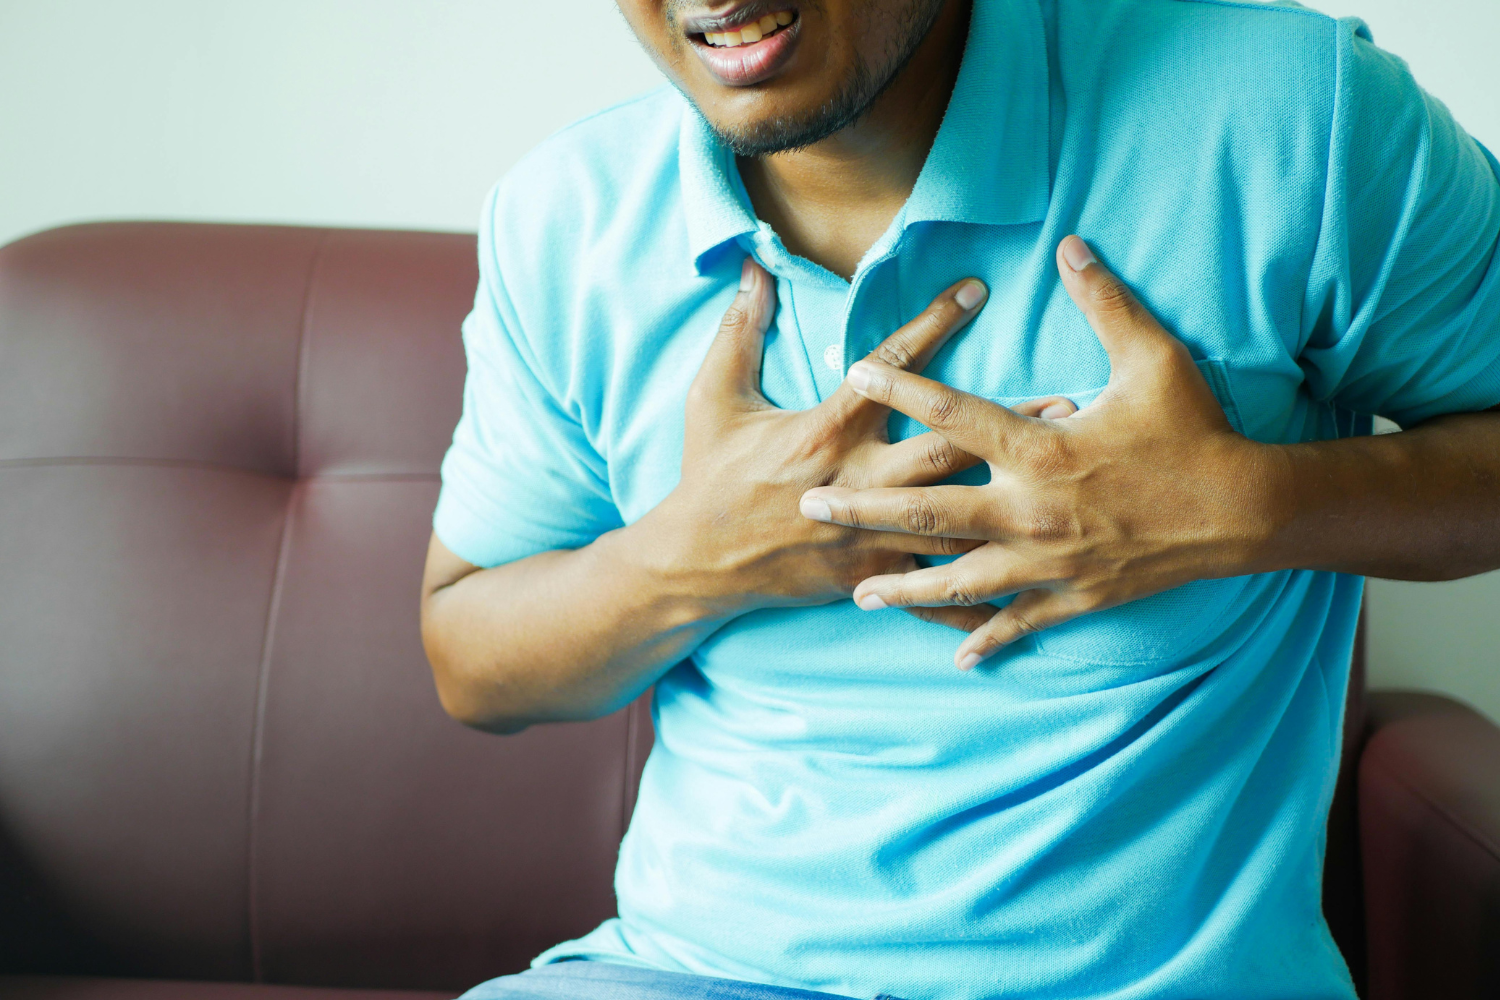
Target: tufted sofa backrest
[(221, 754)]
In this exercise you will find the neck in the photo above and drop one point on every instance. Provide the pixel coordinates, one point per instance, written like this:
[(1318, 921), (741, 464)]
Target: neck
[(831, 201)]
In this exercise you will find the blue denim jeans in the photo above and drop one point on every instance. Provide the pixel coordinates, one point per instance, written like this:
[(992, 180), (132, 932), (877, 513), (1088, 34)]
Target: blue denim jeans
[(579, 980)]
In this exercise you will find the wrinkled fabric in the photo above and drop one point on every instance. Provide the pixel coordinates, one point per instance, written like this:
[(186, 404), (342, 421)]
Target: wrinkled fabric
[(606, 981), (1127, 806)]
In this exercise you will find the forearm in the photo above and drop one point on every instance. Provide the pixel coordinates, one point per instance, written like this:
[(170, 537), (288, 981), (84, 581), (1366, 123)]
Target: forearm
[(565, 635), (1420, 505)]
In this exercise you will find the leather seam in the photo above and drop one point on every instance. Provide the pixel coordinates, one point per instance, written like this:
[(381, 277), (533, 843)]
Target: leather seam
[(309, 296), (263, 680), (1484, 843), (257, 751)]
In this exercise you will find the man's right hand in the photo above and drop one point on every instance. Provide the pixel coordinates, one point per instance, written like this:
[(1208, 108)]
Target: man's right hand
[(731, 529), (577, 633)]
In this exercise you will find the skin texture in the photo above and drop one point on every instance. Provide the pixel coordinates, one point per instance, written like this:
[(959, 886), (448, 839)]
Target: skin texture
[(1146, 488), (831, 200), (514, 645), (1149, 487)]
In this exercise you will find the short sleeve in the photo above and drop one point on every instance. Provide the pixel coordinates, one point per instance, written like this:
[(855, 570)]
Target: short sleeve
[(521, 475), (1403, 304)]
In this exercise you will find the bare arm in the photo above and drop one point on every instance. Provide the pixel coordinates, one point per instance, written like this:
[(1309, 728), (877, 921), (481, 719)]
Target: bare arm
[(1420, 505), (575, 634), (1150, 487), (560, 635)]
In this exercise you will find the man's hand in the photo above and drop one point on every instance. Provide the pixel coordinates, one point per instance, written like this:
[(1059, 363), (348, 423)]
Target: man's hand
[(732, 521), (1145, 489)]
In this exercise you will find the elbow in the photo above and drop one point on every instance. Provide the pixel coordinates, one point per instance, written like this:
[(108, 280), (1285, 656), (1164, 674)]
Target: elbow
[(473, 704), (473, 697)]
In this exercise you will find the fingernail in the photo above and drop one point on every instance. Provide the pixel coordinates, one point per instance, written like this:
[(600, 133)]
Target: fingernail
[(872, 602), (970, 295), (815, 509), (1077, 253), (858, 377), (747, 276), (969, 661), (1057, 411)]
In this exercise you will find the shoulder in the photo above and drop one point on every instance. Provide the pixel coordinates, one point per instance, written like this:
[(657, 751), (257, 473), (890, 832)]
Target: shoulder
[(565, 228), (1264, 89), (594, 178), (1204, 58)]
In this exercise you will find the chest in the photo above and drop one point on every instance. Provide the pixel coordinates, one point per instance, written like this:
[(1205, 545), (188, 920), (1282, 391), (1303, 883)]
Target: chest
[(1029, 341)]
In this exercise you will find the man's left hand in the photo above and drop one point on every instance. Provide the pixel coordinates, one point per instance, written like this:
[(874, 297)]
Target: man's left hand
[(1147, 488)]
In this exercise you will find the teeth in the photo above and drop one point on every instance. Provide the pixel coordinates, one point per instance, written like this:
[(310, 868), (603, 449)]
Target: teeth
[(751, 33)]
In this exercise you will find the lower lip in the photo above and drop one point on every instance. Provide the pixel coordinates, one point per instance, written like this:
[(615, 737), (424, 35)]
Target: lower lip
[(746, 65)]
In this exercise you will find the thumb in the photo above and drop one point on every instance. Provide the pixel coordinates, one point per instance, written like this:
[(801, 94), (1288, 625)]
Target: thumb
[(731, 371), (1138, 346)]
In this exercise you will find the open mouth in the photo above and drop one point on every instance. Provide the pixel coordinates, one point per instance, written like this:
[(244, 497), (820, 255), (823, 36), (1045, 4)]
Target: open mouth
[(746, 46), (750, 33)]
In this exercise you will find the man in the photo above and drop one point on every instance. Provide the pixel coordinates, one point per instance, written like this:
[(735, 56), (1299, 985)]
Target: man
[(675, 469)]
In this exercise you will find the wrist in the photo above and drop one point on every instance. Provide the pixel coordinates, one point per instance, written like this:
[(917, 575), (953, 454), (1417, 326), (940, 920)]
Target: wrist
[(661, 559), (1264, 505)]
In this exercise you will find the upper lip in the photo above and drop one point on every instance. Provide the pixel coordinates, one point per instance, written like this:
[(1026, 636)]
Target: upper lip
[(735, 18)]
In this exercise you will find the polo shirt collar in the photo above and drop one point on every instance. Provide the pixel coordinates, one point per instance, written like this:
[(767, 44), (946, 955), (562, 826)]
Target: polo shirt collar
[(989, 163), (713, 196)]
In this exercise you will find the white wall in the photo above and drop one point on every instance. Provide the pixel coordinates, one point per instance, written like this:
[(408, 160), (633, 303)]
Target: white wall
[(1444, 636), (361, 112), (403, 112)]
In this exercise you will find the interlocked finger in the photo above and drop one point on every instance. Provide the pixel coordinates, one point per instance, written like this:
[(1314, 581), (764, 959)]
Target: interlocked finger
[(1031, 612), (944, 511), (963, 619), (912, 347), (975, 424), (917, 545), (731, 372), (931, 458), (917, 461), (983, 575)]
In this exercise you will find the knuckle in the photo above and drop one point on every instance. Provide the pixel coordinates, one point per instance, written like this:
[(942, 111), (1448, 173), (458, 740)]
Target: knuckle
[(735, 317), (960, 593), (920, 516), (1024, 623), (896, 352), (940, 456), (850, 515), (1043, 523), (947, 546), (1111, 295), (942, 314), (945, 408)]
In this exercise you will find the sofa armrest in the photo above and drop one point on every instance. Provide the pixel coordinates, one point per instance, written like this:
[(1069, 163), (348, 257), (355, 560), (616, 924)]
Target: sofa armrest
[(1429, 804)]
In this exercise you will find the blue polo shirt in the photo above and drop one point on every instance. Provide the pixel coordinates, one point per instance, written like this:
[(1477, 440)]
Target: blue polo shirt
[(1130, 805)]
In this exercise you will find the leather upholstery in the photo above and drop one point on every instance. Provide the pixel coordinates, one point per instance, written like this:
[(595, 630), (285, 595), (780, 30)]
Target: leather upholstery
[(102, 988), (221, 755), (1429, 791)]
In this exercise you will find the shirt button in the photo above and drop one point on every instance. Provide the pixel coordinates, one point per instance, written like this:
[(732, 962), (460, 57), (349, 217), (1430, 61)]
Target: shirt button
[(833, 357)]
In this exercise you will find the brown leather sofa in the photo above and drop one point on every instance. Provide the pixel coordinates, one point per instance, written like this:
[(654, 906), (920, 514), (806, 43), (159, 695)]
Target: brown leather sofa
[(222, 762)]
